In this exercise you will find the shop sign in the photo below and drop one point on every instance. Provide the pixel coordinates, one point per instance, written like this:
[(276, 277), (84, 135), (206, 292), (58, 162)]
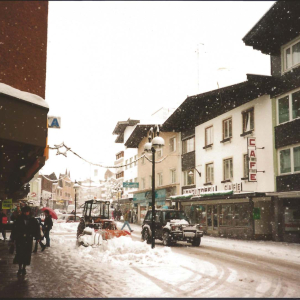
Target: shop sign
[(54, 122), (199, 190), (130, 184), (7, 204), (236, 187), (251, 147)]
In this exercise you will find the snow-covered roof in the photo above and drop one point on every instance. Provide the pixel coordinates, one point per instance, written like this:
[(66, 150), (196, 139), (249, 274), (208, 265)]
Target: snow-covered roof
[(28, 97)]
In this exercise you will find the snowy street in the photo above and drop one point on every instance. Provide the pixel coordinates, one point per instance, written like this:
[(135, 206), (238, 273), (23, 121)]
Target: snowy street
[(127, 267)]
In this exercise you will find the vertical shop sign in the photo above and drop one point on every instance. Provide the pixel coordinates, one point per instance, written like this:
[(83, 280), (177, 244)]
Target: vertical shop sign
[(251, 147)]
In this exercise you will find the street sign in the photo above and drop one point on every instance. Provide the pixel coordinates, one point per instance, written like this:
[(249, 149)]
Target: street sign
[(130, 184), (7, 204), (54, 122)]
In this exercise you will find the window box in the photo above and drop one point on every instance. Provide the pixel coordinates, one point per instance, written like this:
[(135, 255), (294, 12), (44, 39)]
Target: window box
[(208, 183), (244, 178), (226, 140), (247, 133), (224, 181), (208, 146)]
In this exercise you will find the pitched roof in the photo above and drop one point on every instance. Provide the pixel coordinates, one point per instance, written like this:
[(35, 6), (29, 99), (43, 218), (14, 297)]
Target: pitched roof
[(120, 128), (198, 109), (278, 26)]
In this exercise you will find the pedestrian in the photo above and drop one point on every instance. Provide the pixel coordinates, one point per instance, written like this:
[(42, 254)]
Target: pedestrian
[(47, 227), (129, 216), (119, 214), (24, 230), (113, 214), (126, 222), (42, 237), (3, 222), (15, 214)]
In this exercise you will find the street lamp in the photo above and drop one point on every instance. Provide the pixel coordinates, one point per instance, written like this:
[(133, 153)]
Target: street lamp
[(76, 186), (154, 142)]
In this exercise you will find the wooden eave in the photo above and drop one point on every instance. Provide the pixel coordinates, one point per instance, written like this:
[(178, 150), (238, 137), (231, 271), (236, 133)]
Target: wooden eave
[(137, 135), (277, 27), (201, 108)]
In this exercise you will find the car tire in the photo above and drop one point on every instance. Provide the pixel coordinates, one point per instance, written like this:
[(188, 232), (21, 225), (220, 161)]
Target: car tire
[(196, 242), (146, 236), (166, 239)]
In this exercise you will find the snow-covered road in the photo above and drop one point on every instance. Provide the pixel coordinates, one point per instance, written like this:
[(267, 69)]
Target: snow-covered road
[(127, 267)]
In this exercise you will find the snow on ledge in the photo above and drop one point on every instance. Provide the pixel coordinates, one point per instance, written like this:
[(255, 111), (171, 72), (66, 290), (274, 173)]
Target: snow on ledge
[(32, 98)]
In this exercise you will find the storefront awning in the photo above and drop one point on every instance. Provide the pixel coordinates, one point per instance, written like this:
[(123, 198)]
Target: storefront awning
[(182, 197)]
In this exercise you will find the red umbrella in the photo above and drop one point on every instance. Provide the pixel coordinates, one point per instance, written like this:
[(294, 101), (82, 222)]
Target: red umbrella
[(51, 212)]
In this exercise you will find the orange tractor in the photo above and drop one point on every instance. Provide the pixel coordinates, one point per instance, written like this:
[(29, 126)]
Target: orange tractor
[(95, 225)]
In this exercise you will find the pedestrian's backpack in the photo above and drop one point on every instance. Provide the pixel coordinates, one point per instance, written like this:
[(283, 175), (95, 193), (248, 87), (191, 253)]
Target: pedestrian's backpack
[(4, 220)]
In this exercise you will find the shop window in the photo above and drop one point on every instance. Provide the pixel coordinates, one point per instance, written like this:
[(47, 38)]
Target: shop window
[(209, 136), (196, 214), (288, 107), (172, 144), (248, 120), (241, 214), (188, 145), (209, 173), (227, 128), (173, 176), (228, 169), (226, 215), (188, 177)]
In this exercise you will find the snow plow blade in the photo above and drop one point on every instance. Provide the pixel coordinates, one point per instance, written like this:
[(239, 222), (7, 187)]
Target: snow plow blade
[(109, 234)]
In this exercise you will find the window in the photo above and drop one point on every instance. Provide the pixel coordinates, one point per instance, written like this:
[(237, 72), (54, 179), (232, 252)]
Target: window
[(209, 173), (246, 166), (120, 174), (227, 128), (160, 179), (289, 160), (226, 215), (241, 214), (173, 176), (289, 107), (143, 183), (119, 155), (135, 158), (159, 153), (172, 143), (188, 145), (126, 162), (291, 55), (209, 136), (248, 120), (228, 169), (189, 177)]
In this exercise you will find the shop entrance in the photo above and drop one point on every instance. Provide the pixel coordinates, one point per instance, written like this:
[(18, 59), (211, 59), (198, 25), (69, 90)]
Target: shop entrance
[(212, 217)]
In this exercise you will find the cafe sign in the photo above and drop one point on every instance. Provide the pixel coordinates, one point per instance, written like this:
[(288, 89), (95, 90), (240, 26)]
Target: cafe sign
[(251, 147)]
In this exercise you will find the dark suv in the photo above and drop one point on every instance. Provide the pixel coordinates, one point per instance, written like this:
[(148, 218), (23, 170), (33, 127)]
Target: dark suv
[(171, 226)]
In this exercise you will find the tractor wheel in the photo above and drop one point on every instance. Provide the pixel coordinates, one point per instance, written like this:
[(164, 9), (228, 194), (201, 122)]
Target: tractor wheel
[(166, 239), (146, 236), (196, 242)]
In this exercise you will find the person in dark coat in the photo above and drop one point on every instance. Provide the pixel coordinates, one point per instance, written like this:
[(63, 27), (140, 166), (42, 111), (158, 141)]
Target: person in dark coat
[(42, 237), (3, 222), (47, 227), (24, 230)]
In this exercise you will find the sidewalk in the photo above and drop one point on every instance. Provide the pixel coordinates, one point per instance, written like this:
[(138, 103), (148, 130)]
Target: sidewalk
[(47, 277)]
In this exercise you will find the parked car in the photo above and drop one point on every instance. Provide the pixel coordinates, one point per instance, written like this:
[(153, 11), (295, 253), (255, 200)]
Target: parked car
[(171, 226), (67, 218)]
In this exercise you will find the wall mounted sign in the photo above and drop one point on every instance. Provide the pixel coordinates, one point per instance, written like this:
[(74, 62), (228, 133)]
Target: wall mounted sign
[(54, 122), (251, 147)]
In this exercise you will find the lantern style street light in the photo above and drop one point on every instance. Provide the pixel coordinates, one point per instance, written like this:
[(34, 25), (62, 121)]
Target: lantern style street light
[(76, 186), (154, 142)]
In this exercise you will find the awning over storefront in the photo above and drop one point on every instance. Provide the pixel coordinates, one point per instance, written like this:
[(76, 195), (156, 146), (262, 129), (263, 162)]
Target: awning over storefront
[(181, 197)]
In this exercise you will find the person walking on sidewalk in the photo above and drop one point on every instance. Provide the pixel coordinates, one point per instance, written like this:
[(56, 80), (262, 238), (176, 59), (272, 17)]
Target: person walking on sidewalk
[(42, 237), (126, 223), (3, 222), (24, 230), (47, 227)]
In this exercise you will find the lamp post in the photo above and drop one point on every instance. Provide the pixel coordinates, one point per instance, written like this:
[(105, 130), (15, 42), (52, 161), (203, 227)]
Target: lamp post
[(154, 142), (76, 186)]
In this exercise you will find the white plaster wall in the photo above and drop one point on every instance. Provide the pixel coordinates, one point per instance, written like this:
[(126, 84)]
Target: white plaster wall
[(263, 132)]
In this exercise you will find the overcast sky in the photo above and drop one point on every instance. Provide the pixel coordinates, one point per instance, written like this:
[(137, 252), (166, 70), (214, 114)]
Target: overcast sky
[(110, 61)]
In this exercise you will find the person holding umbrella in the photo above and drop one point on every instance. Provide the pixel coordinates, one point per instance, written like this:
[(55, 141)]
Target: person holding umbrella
[(47, 226), (25, 228)]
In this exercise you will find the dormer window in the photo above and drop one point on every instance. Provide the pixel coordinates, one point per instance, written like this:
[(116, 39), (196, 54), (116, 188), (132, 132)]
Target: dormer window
[(291, 55)]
